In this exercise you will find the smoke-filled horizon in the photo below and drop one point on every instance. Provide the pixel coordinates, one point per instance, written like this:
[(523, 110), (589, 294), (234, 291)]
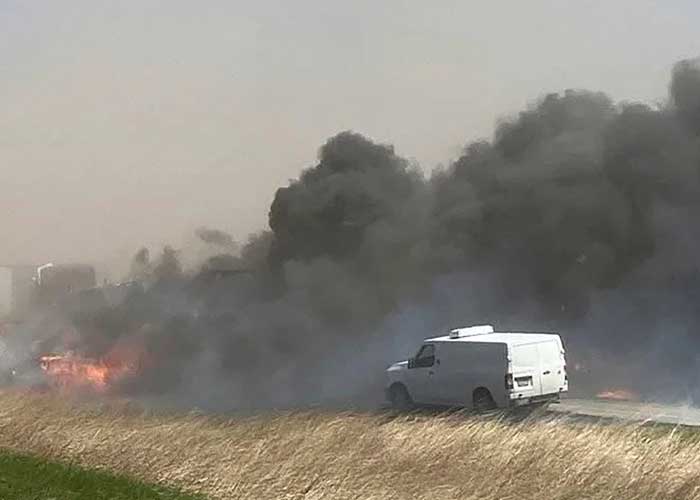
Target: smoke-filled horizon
[(579, 216), (134, 122)]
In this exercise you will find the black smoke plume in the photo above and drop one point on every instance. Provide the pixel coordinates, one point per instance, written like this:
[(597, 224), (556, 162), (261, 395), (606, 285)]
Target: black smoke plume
[(579, 215)]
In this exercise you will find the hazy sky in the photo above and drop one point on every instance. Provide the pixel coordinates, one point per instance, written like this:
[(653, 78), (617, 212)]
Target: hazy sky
[(131, 122)]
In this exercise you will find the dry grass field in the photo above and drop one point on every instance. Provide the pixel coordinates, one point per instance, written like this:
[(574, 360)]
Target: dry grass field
[(315, 455)]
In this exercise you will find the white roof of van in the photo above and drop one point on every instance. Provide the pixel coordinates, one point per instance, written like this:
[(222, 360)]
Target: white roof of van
[(499, 338)]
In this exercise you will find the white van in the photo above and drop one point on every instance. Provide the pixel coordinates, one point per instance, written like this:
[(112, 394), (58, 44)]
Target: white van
[(478, 368)]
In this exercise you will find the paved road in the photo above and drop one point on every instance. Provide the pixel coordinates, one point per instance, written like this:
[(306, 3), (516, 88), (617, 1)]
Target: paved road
[(627, 410)]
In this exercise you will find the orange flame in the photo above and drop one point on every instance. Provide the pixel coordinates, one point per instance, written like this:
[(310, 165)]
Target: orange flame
[(618, 395), (127, 357), (74, 371)]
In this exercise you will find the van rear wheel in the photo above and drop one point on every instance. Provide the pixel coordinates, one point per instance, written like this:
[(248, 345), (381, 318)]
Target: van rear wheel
[(400, 399), (482, 400)]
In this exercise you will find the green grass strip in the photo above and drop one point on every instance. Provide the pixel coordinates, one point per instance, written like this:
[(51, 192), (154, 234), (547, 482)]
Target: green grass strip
[(29, 478)]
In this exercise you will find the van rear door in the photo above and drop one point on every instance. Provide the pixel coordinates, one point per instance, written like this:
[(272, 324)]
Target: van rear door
[(526, 369), (552, 366)]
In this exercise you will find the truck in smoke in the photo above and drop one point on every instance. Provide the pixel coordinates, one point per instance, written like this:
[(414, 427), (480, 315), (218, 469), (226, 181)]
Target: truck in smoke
[(55, 283), (26, 289), (37, 303), (481, 369)]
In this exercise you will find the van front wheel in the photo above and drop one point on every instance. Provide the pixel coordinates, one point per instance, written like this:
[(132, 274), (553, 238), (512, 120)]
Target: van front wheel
[(482, 400), (400, 399)]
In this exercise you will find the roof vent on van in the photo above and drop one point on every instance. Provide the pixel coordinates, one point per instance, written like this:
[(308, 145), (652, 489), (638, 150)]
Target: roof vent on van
[(470, 331)]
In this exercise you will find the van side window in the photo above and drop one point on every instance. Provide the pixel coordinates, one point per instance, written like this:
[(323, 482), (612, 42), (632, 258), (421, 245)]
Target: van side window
[(426, 356)]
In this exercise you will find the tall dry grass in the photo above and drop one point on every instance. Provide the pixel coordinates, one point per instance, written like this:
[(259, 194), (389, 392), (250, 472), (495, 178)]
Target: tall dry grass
[(329, 455)]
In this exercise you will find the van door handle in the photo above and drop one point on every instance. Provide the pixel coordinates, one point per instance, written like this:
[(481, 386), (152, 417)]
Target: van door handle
[(546, 373), (431, 372)]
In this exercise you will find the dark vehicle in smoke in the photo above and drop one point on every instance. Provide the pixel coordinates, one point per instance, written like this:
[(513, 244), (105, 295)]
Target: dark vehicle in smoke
[(481, 369), (55, 282), (24, 290)]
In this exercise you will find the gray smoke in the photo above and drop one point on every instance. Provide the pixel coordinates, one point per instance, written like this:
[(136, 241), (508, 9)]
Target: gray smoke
[(685, 93), (216, 237), (579, 216)]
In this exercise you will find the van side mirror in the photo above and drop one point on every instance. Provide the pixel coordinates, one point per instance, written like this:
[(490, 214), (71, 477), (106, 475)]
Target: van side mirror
[(411, 362)]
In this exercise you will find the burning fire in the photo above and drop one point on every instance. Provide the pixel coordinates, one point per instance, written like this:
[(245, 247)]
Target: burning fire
[(618, 394), (75, 371), (126, 358)]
